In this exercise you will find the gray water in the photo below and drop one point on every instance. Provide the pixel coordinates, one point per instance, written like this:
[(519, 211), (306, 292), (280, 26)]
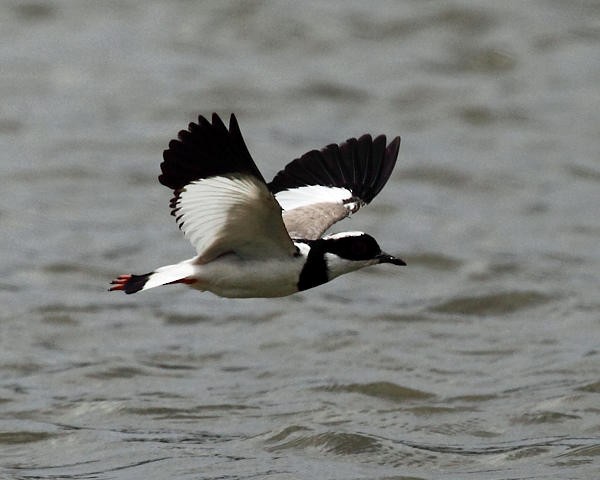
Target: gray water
[(480, 360)]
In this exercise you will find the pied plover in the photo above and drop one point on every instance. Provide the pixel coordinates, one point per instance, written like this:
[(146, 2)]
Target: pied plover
[(259, 239)]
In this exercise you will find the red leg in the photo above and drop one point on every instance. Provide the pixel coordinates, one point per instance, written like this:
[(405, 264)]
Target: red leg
[(119, 282)]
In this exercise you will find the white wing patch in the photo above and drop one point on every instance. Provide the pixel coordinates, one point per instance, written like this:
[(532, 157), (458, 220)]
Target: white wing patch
[(232, 213), (308, 195), (344, 234)]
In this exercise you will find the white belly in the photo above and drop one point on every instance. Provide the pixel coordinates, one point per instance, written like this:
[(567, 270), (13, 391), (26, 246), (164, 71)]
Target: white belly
[(230, 276)]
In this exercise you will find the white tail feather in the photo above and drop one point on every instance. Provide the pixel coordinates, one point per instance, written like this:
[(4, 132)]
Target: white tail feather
[(169, 274)]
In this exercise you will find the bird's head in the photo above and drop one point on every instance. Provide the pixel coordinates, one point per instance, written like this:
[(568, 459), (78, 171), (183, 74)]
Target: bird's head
[(348, 251)]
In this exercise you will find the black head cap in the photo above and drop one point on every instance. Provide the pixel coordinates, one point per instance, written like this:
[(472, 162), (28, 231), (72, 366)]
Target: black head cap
[(358, 246)]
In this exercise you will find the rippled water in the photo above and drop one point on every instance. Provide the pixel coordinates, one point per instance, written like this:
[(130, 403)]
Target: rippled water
[(481, 359)]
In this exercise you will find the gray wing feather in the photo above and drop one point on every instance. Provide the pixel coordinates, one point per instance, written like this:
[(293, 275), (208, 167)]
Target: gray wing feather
[(312, 221)]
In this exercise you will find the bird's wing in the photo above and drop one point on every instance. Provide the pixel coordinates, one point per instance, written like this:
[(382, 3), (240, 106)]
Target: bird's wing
[(324, 186), (221, 201)]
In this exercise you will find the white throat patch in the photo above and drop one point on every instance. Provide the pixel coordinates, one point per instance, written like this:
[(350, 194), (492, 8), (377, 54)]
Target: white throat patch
[(339, 266)]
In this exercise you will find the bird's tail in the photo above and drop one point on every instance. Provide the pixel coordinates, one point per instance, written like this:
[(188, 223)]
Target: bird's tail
[(178, 273)]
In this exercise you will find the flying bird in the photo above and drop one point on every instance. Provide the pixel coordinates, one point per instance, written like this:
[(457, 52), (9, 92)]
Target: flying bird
[(259, 239)]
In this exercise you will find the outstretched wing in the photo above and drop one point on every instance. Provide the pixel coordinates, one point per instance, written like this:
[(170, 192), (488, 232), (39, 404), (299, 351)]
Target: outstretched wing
[(221, 201), (324, 186)]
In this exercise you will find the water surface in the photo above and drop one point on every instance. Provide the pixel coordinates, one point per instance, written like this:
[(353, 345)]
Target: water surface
[(480, 360)]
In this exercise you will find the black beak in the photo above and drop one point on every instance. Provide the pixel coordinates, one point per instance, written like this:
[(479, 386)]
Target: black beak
[(385, 258)]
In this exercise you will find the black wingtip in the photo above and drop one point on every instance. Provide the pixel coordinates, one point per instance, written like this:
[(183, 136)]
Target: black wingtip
[(233, 124), (206, 149), (362, 165), (393, 148)]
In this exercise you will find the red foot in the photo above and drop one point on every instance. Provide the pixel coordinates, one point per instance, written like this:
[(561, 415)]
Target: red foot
[(119, 282)]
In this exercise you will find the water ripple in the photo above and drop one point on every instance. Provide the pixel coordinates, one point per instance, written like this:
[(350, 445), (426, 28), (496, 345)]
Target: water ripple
[(494, 303), (384, 390)]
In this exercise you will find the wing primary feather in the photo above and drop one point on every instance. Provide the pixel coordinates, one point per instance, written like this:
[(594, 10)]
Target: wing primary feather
[(378, 151), (362, 166), (205, 150), (242, 149), (390, 156), (346, 161), (363, 158), (334, 162), (306, 176), (328, 167)]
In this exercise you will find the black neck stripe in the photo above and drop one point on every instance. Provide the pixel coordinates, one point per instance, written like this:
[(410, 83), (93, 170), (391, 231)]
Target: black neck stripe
[(315, 271)]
